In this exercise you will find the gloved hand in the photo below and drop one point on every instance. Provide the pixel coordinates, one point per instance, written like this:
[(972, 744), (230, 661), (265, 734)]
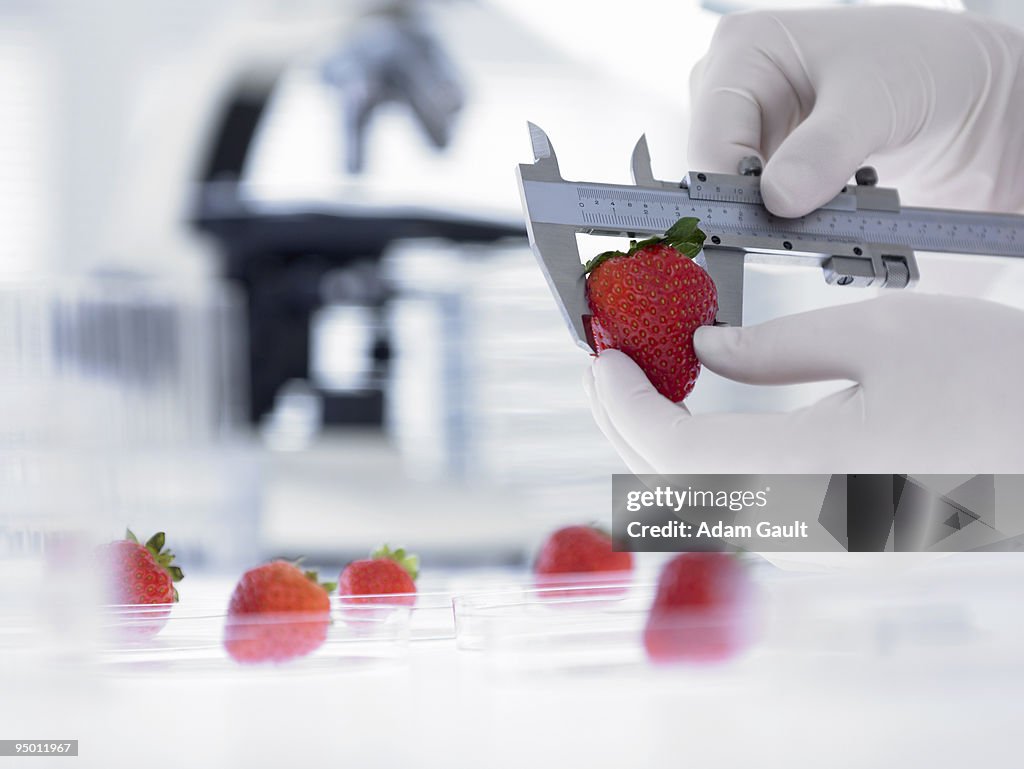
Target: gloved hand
[(933, 99), (938, 389)]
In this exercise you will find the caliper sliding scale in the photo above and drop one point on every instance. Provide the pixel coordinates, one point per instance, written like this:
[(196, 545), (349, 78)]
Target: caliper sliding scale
[(860, 238)]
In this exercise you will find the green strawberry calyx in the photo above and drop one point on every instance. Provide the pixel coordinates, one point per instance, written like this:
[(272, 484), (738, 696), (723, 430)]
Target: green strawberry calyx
[(314, 577), (408, 561), (684, 236), (163, 556)]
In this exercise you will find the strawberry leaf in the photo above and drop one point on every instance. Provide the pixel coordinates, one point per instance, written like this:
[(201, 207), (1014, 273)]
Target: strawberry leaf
[(409, 562), (684, 236), (163, 558), (600, 259), (313, 577), (688, 249), (635, 246), (683, 230), (156, 543)]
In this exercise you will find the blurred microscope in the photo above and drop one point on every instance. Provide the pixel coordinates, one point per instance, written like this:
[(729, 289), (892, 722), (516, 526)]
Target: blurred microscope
[(301, 263), (407, 367)]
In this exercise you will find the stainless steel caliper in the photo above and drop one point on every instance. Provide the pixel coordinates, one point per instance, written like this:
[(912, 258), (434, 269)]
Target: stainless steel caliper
[(862, 237)]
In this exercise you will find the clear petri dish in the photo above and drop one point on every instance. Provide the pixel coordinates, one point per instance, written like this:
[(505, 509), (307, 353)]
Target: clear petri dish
[(805, 627), (430, 614), (199, 637), (567, 626)]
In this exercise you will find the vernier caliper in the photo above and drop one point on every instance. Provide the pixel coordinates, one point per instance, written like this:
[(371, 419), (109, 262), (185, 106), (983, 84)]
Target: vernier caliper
[(862, 237)]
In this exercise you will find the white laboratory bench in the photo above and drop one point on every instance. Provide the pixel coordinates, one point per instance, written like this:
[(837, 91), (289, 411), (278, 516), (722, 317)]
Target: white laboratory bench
[(437, 705)]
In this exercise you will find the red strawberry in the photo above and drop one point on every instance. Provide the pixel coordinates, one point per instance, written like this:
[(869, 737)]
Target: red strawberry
[(139, 575), (648, 302), (700, 609), (385, 573), (277, 612), (578, 550)]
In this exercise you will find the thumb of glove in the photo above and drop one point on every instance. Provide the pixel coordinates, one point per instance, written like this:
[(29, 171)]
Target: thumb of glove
[(815, 346)]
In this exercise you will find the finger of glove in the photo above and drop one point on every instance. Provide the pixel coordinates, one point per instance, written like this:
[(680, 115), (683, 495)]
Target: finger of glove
[(746, 94), (719, 145), (670, 439), (636, 463), (628, 403), (816, 346)]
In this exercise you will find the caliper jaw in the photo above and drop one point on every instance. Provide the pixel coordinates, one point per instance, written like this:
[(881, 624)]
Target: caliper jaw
[(843, 264), (555, 246), (724, 265)]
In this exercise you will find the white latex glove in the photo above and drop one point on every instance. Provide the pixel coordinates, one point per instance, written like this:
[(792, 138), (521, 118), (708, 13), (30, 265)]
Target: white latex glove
[(933, 99), (937, 390)]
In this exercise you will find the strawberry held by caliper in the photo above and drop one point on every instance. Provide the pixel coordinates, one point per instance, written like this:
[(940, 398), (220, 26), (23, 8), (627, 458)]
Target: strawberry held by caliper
[(648, 301)]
